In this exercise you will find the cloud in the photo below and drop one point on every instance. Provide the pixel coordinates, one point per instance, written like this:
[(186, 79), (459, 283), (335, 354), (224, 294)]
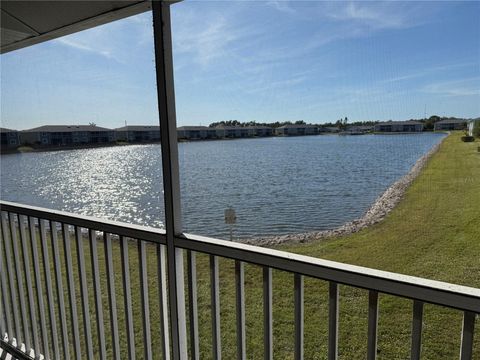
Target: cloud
[(428, 71), (378, 15), (217, 34), (113, 40), (208, 43), (339, 21), (81, 44), (228, 30), (282, 6), (462, 87), (288, 83)]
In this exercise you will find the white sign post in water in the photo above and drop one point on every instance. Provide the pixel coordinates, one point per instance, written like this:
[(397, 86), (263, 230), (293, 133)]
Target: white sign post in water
[(230, 219)]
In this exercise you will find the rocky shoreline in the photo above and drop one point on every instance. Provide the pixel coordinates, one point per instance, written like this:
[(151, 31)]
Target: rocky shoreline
[(376, 213)]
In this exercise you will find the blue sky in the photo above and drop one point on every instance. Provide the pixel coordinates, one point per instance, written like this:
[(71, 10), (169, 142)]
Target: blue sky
[(252, 60)]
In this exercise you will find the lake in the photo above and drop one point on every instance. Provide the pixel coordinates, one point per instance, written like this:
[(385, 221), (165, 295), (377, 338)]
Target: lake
[(276, 185)]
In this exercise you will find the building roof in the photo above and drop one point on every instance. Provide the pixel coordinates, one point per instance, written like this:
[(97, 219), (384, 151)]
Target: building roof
[(194, 128), (359, 127), (67, 128), (139, 128), (451, 121), (231, 127), (7, 130), (400, 123), (297, 126), (258, 127)]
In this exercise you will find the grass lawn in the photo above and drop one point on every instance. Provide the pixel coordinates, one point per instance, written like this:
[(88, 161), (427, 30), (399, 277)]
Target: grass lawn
[(434, 233)]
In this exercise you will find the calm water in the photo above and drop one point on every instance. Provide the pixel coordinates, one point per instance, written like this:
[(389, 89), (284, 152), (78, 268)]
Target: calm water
[(276, 185)]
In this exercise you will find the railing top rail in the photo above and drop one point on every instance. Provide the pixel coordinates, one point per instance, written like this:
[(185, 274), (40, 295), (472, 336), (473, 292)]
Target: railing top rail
[(89, 222), (430, 291)]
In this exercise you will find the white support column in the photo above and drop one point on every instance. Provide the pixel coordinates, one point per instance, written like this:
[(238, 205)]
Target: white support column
[(171, 178)]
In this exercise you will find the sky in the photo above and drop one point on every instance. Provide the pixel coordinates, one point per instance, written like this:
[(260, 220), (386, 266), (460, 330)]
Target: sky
[(261, 61)]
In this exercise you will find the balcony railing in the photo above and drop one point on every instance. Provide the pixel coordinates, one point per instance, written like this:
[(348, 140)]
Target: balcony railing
[(55, 265)]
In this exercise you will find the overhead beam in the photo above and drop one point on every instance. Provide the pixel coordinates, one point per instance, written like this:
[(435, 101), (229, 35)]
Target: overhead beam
[(84, 24)]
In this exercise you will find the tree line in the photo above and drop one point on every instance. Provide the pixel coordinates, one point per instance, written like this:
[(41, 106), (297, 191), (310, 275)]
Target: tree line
[(339, 123), (342, 123)]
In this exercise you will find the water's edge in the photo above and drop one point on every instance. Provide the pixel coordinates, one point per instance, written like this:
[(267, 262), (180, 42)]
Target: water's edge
[(382, 206)]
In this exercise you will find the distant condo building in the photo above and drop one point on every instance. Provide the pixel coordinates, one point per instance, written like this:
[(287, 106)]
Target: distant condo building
[(232, 132), (196, 133), (138, 133), (329, 129), (222, 132), (359, 129), (9, 138), (260, 131), (450, 124), (67, 135), (77, 135), (399, 126), (296, 130)]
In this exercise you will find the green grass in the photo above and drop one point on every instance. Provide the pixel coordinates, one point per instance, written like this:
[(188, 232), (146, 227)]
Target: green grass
[(23, 149), (434, 233)]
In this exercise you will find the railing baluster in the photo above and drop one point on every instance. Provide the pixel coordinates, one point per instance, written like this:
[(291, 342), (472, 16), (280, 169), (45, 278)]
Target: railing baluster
[(192, 305), (3, 326), (147, 343), (417, 330), (48, 280), (267, 314), (3, 279), (111, 295), (59, 284), (372, 325), (127, 298), (240, 300), (298, 288), (71, 290), (215, 299), (28, 281), (38, 285), (163, 299), (468, 326), (84, 291), (21, 291), (9, 268), (333, 321), (92, 237)]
